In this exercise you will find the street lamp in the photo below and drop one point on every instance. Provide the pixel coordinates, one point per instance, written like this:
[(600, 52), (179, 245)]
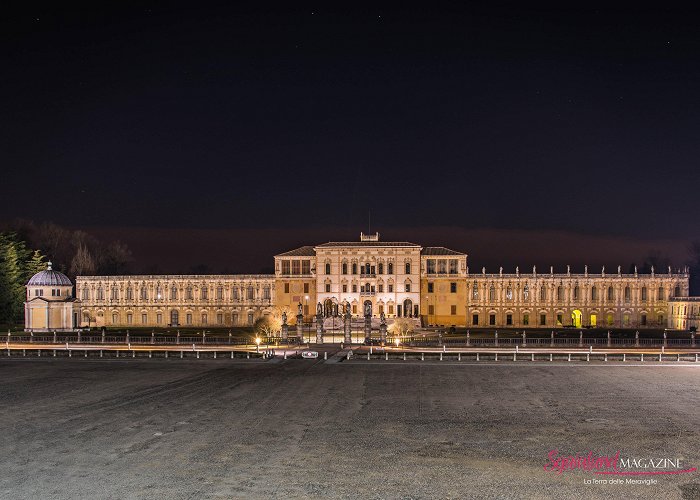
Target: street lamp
[(397, 341), (257, 344)]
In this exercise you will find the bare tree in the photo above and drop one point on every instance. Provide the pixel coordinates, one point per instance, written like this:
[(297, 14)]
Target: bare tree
[(82, 263)]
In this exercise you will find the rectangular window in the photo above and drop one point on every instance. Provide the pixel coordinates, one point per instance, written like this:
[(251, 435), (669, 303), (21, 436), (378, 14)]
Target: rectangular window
[(391, 288), (220, 318), (219, 293), (296, 267), (475, 319), (430, 288), (431, 309), (526, 319), (345, 268), (381, 310), (345, 288), (543, 319), (442, 266), (644, 293), (306, 267), (381, 288), (250, 319), (188, 318), (354, 309), (204, 293), (492, 319), (204, 319), (354, 288), (453, 266), (430, 266), (328, 288), (306, 288), (129, 319), (509, 319), (250, 293), (381, 268), (453, 310), (391, 309), (559, 319), (285, 267), (408, 287), (266, 293), (453, 287), (159, 319), (234, 318), (408, 268), (390, 268), (354, 268), (286, 288), (144, 319), (644, 320)]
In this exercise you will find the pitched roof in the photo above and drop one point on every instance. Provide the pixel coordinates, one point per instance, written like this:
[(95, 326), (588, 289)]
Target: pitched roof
[(439, 251), (305, 251)]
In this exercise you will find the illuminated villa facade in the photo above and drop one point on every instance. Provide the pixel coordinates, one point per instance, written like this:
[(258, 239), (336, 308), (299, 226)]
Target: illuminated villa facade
[(432, 285)]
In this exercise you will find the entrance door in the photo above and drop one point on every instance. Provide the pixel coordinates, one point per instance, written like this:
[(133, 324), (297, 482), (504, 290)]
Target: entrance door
[(576, 318), (407, 307)]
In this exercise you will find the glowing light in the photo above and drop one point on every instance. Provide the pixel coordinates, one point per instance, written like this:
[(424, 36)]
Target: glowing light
[(397, 341)]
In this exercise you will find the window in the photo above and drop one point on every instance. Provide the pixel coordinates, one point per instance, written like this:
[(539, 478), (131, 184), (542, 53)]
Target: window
[(144, 318), (611, 293), (526, 319), (266, 293), (345, 289), (354, 288), (492, 319), (250, 319), (381, 288), (285, 267), (543, 319), (296, 267), (453, 266), (354, 308), (644, 294), (249, 293), (85, 293), (560, 293), (173, 293), (144, 293), (453, 287), (129, 293), (381, 268), (345, 268), (220, 318), (509, 293), (594, 294), (328, 268), (526, 293), (188, 293), (628, 294), (661, 293), (204, 293), (492, 293), (328, 288), (626, 320), (129, 319), (390, 268), (475, 319), (234, 318), (286, 288), (559, 320), (115, 318), (100, 293), (174, 318), (188, 318), (453, 310), (430, 266), (442, 266), (354, 268), (114, 295), (475, 291), (677, 291), (430, 288), (577, 292), (408, 287), (610, 320), (204, 318), (543, 293), (644, 320), (306, 288), (159, 292), (159, 318), (220, 293), (391, 288), (306, 267), (509, 319), (391, 309), (408, 268), (431, 309)]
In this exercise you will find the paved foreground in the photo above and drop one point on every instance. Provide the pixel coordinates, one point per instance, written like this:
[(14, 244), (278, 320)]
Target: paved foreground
[(76, 428)]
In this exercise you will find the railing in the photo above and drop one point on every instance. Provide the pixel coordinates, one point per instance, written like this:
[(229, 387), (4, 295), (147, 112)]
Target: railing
[(546, 342)]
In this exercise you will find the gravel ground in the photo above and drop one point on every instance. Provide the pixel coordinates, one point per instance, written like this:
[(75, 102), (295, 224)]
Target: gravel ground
[(175, 428)]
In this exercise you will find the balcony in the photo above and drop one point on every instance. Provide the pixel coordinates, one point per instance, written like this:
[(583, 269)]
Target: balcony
[(370, 275), (367, 293)]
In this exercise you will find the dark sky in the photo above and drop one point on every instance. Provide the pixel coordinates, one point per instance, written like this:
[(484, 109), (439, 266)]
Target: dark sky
[(297, 121)]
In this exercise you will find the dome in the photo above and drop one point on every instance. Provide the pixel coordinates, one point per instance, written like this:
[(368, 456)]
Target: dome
[(49, 278)]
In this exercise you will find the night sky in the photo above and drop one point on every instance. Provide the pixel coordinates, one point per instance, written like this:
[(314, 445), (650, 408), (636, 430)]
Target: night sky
[(227, 134)]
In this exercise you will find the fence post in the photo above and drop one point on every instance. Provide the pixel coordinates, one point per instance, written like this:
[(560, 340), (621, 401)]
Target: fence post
[(477, 356), (459, 356), (550, 356), (532, 356), (624, 357), (496, 357), (642, 357), (440, 356), (422, 356), (551, 342), (569, 356)]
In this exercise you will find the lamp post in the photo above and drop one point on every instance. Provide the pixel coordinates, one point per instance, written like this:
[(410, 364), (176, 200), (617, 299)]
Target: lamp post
[(257, 344)]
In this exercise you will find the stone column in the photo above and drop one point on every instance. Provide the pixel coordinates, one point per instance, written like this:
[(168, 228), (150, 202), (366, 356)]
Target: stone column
[(285, 331), (382, 329), (300, 327), (347, 327), (319, 329)]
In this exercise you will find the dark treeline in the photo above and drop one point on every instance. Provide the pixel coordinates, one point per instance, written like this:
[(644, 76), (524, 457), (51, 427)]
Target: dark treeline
[(18, 263), (72, 251)]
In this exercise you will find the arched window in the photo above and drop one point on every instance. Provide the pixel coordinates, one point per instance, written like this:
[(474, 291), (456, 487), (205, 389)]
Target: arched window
[(144, 292), (644, 294), (249, 293), (677, 291), (204, 293), (173, 293), (328, 268), (628, 294), (509, 293), (345, 268), (381, 268), (114, 293), (661, 293), (492, 293), (594, 293), (188, 293), (526, 293), (408, 268), (390, 268), (611, 293), (174, 318), (475, 290), (129, 293), (577, 292), (159, 292), (204, 318), (219, 293), (354, 268), (560, 293)]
